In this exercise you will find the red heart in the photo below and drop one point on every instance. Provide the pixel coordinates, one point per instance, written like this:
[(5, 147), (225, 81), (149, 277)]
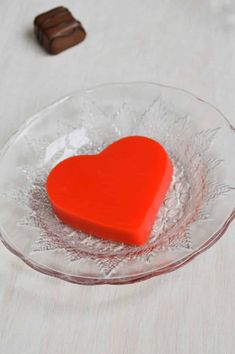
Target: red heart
[(115, 194)]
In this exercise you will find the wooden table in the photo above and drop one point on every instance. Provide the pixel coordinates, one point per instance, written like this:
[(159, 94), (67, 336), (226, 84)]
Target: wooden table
[(187, 43)]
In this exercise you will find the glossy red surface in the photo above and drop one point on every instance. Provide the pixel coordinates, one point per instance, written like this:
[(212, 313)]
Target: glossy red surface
[(115, 194)]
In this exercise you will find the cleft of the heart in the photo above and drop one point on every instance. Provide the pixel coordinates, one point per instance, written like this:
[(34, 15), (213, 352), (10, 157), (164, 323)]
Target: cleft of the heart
[(115, 194)]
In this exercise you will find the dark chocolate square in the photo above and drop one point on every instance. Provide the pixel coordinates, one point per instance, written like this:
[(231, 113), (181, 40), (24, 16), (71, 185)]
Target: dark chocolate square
[(57, 30)]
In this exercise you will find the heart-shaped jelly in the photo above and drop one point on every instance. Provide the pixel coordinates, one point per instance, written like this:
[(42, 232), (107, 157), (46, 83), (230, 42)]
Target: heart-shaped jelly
[(115, 194)]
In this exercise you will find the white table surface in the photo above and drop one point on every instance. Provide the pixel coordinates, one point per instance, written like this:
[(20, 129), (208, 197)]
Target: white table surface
[(187, 43)]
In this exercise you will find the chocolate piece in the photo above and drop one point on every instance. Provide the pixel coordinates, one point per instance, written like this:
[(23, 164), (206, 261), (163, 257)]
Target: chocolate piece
[(57, 30)]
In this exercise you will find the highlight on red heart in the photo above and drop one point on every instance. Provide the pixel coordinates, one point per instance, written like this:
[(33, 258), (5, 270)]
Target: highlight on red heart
[(115, 194)]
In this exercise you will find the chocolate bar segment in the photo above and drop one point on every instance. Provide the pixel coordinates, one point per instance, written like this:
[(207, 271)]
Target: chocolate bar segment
[(57, 30)]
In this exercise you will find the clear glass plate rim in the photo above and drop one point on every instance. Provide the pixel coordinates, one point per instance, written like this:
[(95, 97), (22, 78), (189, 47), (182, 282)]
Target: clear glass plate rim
[(114, 280)]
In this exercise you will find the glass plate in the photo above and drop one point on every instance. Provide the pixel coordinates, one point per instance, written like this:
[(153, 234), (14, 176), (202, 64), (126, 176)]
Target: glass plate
[(197, 209)]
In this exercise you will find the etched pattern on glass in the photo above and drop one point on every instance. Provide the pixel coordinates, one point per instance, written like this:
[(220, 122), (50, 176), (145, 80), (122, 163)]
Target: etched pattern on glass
[(188, 200)]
